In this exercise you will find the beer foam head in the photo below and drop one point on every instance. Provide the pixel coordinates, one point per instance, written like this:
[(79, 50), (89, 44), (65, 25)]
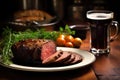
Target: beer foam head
[(100, 16)]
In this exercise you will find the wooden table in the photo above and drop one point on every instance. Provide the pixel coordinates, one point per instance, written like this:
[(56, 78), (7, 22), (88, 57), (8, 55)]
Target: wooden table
[(104, 68), (108, 67)]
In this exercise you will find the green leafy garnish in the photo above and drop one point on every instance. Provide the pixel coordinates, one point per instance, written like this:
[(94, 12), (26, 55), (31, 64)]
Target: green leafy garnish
[(67, 30)]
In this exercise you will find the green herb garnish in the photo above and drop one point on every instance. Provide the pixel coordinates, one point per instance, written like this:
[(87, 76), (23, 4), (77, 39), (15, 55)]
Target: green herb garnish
[(67, 30)]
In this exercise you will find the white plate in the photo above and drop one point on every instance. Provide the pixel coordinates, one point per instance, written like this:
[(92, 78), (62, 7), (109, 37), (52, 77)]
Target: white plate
[(88, 58)]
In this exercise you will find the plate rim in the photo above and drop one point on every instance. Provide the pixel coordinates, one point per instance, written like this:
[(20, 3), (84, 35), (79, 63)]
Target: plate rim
[(55, 69)]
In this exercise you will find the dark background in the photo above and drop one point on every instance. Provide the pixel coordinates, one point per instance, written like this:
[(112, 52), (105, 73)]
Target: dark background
[(8, 7)]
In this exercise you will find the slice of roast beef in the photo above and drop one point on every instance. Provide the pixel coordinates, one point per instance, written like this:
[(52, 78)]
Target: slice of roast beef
[(70, 59), (33, 50), (78, 58), (53, 58), (64, 57)]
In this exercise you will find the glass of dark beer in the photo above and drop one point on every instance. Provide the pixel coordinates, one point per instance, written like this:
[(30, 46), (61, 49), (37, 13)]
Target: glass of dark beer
[(100, 22)]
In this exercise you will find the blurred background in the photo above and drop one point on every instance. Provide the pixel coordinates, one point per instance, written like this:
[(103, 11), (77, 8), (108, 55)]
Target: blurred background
[(68, 11)]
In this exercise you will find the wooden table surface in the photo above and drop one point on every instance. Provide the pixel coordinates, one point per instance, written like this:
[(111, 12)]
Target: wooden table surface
[(104, 68), (108, 67)]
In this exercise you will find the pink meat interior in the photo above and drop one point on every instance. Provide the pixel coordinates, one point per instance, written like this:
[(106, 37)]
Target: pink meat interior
[(47, 50)]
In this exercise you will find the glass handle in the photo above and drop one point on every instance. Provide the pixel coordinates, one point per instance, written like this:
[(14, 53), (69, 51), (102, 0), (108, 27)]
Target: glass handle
[(116, 24)]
